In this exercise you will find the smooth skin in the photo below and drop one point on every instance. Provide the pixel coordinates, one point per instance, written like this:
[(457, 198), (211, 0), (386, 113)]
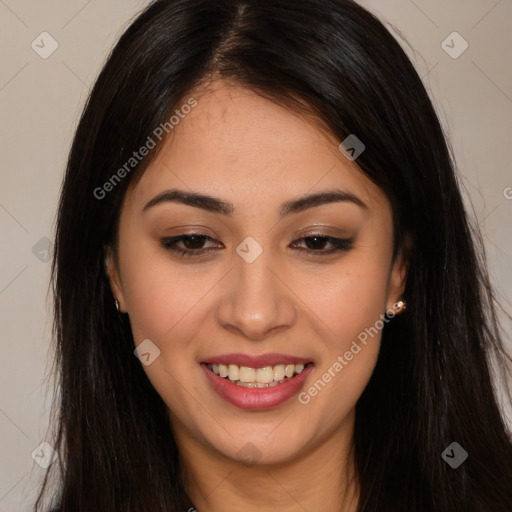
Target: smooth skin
[(246, 150)]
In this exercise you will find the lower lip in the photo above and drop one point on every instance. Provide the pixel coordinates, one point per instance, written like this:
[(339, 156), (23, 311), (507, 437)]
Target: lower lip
[(256, 398)]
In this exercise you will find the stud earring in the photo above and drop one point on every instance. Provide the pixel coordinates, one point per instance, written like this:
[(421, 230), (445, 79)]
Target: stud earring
[(400, 306), (117, 304)]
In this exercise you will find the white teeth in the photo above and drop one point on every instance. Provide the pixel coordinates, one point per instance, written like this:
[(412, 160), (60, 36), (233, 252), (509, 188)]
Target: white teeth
[(267, 376), (233, 372), (245, 374), (288, 371), (279, 372)]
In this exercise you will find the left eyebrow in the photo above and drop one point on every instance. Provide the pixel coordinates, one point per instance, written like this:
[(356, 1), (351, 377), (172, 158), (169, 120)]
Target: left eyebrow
[(216, 205), (318, 199)]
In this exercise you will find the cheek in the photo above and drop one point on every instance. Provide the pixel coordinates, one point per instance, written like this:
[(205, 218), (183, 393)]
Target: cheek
[(336, 386), (351, 296), (350, 304), (162, 299), (165, 306)]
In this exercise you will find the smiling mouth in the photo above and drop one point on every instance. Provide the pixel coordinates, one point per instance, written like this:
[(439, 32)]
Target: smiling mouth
[(266, 377)]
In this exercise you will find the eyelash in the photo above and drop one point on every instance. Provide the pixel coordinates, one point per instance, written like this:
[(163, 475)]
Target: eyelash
[(339, 244)]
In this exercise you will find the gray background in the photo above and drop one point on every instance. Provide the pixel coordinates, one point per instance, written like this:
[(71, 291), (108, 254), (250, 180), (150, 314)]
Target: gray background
[(40, 100)]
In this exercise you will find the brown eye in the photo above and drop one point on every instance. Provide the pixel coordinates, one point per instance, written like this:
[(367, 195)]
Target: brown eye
[(192, 244), (316, 244)]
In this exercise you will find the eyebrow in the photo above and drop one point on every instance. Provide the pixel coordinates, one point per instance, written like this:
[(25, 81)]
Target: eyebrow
[(216, 205)]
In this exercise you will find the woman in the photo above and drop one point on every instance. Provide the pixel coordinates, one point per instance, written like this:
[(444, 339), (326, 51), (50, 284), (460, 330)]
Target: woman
[(268, 295)]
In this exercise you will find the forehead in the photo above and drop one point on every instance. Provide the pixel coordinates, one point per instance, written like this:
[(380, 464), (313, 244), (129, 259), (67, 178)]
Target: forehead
[(243, 147)]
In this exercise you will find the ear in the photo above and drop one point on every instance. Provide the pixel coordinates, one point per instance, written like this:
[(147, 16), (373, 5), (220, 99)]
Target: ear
[(113, 275), (398, 276)]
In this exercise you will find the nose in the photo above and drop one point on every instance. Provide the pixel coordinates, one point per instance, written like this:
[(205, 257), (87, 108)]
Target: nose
[(257, 300)]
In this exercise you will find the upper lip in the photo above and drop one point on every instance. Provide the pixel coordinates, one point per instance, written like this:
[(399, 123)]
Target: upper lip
[(253, 361)]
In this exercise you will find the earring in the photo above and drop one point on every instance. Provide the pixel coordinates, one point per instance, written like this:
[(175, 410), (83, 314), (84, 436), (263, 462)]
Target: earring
[(117, 304), (400, 306)]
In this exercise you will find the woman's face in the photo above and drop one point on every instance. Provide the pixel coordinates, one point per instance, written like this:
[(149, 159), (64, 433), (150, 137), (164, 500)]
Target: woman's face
[(255, 289)]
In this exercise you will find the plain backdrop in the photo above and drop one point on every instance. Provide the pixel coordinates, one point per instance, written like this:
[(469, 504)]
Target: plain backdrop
[(41, 98)]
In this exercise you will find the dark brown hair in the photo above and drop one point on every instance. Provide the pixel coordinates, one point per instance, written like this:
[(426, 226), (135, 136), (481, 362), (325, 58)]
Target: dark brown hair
[(432, 384)]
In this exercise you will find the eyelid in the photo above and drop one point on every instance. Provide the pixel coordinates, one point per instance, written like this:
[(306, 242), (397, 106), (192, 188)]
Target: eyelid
[(339, 245), (171, 241)]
